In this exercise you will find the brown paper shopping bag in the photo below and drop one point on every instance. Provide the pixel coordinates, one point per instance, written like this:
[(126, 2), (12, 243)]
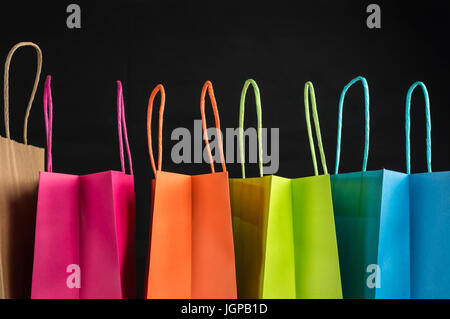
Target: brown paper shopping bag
[(20, 164)]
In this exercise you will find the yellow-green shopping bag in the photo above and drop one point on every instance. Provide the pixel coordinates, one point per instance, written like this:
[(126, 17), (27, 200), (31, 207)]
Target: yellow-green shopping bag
[(284, 233)]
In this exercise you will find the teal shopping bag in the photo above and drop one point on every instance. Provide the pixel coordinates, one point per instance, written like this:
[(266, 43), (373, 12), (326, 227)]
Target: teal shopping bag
[(430, 219), (371, 211)]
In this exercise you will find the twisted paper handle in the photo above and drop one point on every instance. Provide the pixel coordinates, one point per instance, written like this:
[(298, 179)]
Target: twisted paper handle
[(33, 92)]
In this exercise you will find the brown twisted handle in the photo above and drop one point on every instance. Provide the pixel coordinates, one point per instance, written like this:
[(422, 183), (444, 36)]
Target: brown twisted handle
[(33, 92)]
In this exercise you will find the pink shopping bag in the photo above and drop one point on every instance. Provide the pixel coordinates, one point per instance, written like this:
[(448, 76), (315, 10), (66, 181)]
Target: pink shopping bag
[(85, 225)]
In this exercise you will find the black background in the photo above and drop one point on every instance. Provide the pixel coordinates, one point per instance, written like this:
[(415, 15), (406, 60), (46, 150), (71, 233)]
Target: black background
[(182, 44)]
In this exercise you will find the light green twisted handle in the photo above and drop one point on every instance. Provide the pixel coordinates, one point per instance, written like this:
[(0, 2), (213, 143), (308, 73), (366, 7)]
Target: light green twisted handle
[(259, 125), (309, 91)]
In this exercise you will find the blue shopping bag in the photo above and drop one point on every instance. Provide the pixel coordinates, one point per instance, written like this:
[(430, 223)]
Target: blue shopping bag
[(430, 219), (371, 211)]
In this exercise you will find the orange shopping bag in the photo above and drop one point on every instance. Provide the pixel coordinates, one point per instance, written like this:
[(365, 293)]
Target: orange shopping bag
[(191, 248)]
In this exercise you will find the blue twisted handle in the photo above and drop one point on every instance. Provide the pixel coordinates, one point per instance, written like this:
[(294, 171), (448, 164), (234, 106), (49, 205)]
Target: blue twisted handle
[(408, 125), (367, 122)]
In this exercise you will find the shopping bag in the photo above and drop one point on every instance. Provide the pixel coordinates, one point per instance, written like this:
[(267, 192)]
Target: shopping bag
[(430, 219), (191, 247), (371, 211), (85, 226), (19, 172), (284, 229)]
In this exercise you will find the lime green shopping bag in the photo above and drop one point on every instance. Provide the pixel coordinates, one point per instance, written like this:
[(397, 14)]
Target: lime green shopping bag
[(284, 233)]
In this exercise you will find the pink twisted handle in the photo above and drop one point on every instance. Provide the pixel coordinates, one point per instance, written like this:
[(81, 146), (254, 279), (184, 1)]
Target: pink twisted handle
[(122, 123), (48, 117)]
